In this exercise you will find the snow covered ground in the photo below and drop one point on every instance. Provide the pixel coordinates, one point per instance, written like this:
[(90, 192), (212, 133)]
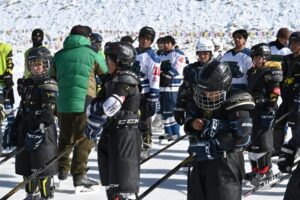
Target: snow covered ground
[(186, 20), (173, 188)]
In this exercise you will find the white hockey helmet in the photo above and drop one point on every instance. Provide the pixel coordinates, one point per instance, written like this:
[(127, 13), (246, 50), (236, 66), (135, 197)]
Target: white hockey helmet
[(205, 44), (218, 43)]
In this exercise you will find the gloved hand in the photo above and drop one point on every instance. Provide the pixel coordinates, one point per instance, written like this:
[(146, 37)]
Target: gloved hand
[(153, 106), (179, 115), (8, 78), (34, 138), (286, 158), (9, 137), (165, 79), (213, 127), (204, 150), (95, 126)]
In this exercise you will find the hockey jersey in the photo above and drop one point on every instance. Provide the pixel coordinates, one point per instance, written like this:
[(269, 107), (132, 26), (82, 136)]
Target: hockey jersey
[(147, 67), (172, 64), (243, 61)]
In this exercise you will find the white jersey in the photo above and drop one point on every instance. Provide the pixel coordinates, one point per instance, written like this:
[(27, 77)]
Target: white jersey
[(147, 66), (172, 63), (278, 51), (243, 60)]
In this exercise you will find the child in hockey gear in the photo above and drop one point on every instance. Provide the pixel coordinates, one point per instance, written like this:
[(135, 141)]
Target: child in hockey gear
[(147, 67), (6, 89), (238, 59), (172, 64), (220, 120), (279, 48), (35, 124), (204, 51), (264, 85), (114, 115), (291, 101)]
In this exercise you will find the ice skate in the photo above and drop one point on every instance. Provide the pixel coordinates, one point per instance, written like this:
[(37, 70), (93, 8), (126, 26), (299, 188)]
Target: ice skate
[(258, 179), (85, 184)]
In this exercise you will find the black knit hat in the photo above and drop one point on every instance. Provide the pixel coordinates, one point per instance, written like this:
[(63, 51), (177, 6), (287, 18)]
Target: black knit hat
[(80, 30), (37, 34), (242, 32)]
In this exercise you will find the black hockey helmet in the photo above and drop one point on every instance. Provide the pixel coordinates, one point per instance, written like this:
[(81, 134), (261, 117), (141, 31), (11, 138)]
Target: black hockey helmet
[(295, 37), (39, 55), (261, 49), (147, 31), (214, 81), (122, 53)]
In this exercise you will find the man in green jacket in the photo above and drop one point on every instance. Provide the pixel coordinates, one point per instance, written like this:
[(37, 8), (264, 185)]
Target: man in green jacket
[(74, 68)]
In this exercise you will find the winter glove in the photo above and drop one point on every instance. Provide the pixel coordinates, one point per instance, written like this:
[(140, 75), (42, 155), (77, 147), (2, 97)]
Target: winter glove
[(267, 119), (153, 106), (21, 85), (34, 138), (179, 115), (213, 127), (95, 122), (286, 158), (8, 78), (204, 150), (165, 79), (10, 137)]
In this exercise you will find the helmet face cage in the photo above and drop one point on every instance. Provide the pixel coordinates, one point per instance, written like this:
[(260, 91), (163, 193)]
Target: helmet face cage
[(38, 60), (208, 100)]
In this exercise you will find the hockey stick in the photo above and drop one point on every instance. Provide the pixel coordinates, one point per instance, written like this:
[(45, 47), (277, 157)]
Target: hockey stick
[(170, 173), (39, 171), (261, 185), (161, 150), (11, 154)]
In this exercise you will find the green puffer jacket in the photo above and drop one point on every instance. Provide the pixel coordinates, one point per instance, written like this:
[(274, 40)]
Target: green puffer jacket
[(74, 68)]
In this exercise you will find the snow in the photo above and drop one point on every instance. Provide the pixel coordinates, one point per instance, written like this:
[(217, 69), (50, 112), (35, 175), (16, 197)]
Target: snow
[(186, 20)]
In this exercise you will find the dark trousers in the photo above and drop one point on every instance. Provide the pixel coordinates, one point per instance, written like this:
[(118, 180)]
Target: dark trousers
[(72, 127), (219, 179)]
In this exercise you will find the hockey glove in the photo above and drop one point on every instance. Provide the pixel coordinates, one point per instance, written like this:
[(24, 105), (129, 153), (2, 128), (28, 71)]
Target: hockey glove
[(153, 106), (95, 125), (8, 79), (286, 158), (165, 79), (179, 115), (204, 150), (34, 138), (10, 137), (213, 127)]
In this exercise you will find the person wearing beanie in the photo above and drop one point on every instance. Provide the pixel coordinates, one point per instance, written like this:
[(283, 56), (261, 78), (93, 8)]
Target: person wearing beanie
[(239, 59), (37, 37), (74, 69)]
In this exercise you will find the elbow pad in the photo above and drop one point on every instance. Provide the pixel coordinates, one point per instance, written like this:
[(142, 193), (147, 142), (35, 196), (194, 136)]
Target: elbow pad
[(242, 130)]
